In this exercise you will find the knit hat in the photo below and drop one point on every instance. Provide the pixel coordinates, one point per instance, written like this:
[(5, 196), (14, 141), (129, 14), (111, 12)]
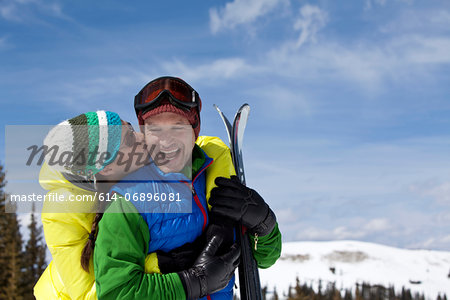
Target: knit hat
[(192, 115), (84, 144)]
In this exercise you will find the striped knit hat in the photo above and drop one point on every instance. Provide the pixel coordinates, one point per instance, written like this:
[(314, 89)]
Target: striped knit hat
[(85, 144)]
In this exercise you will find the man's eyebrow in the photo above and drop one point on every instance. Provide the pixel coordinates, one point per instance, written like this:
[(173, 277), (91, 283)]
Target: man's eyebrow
[(176, 123)]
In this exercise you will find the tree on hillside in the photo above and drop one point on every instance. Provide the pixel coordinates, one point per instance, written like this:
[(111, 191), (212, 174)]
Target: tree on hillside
[(10, 249), (3, 225), (275, 294), (34, 257)]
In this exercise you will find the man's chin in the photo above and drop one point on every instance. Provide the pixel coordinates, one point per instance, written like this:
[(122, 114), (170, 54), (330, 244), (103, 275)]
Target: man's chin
[(171, 167)]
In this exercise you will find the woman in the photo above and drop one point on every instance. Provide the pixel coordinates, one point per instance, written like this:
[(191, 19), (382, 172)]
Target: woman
[(76, 170)]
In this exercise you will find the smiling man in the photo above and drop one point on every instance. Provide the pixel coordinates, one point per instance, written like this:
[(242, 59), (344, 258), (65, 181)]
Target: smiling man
[(172, 138), (168, 110)]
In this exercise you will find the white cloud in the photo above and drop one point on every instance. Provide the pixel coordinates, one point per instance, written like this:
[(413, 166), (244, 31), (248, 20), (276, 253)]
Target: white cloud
[(222, 68), (443, 217), (446, 239), (310, 21), (369, 3), (437, 242), (313, 233), (362, 64), (425, 50), (290, 102), (3, 42), (344, 233), (440, 192), (366, 63), (408, 51), (338, 233), (286, 215), (441, 17), (26, 10), (8, 11), (361, 228), (240, 12), (77, 94), (377, 225), (410, 21), (354, 229)]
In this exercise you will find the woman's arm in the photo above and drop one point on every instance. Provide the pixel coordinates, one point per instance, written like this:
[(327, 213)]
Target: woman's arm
[(66, 235)]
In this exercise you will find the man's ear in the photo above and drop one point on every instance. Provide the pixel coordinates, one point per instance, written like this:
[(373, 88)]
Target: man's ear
[(193, 138)]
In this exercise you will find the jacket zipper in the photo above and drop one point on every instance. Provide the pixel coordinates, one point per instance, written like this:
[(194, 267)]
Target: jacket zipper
[(197, 200), (202, 209)]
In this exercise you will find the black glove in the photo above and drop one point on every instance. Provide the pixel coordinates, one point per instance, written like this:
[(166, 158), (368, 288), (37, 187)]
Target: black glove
[(231, 199), (225, 232), (181, 258), (210, 272)]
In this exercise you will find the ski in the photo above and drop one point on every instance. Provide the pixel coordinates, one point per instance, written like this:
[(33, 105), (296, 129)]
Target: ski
[(249, 283)]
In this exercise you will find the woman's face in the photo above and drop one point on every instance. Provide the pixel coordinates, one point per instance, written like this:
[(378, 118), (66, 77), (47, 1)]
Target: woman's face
[(131, 156), (170, 140)]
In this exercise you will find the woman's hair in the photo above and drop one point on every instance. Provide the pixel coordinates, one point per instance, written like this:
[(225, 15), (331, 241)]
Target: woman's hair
[(103, 185), (90, 244)]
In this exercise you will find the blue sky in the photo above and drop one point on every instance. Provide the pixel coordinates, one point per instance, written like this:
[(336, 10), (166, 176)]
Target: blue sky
[(348, 136)]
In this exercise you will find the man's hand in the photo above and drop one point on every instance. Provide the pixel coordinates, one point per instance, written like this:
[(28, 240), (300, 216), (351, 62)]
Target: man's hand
[(210, 272), (183, 257), (180, 258), (233, 200)]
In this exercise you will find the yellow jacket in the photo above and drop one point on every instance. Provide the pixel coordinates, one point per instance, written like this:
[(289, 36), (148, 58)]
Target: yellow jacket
[(67, 233)]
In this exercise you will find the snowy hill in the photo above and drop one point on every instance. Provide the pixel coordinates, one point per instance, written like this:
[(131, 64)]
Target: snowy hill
[(350, 262)]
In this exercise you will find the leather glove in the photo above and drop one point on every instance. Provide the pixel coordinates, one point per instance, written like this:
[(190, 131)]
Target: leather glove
[(225, 232), (181, 258), (231, 199), (210, 272)]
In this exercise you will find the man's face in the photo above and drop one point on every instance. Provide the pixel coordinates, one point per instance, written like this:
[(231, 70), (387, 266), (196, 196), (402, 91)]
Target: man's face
[(170, 136)]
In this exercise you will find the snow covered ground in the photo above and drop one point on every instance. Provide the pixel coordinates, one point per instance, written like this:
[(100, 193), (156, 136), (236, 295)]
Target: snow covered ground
[(357, 262)]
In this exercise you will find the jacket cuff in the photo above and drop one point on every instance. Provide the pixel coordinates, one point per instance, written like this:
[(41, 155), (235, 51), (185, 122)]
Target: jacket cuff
[(266, 226), (194, 283)]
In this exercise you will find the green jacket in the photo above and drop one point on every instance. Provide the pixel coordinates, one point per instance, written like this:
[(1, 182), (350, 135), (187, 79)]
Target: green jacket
[(120, 266)]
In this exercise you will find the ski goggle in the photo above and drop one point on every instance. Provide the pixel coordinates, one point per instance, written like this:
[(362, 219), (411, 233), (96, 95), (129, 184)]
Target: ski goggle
[(178, 92)]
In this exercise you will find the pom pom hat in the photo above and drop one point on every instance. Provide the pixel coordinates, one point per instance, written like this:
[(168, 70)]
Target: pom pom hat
[(169, 94), (92, 139)]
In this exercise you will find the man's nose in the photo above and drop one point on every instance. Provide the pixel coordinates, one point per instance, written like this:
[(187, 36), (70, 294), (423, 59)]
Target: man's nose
[(166, 138), (166, 141)]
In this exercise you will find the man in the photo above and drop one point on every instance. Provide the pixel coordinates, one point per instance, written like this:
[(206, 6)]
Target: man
[(168, 110)]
